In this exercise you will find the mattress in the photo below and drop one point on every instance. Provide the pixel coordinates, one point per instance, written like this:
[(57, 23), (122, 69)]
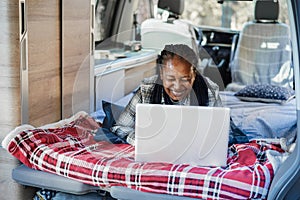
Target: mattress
[(68, 149), (36, 178)]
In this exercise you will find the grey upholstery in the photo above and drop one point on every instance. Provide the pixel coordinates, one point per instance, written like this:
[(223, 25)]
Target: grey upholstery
[(156, 33), (263, 48), (123, 193), (40, 179)]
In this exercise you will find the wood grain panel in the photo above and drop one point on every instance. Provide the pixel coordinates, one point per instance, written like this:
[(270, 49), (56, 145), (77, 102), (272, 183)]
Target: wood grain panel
[(44, 61), (9, 67), (76, 56)]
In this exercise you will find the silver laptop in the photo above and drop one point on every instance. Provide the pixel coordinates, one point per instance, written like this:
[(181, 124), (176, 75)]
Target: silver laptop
[(195, 135)]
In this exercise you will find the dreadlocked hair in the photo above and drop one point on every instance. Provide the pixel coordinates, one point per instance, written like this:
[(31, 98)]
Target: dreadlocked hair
[(199, 94)]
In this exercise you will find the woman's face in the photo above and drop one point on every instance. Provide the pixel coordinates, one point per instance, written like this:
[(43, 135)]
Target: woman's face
[(178, 77)]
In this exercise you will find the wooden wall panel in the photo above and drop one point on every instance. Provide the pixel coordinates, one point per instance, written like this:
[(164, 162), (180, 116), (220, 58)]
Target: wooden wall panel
[(77, 71), (9, 67), (10, 96), (44, 62), (44, 70)]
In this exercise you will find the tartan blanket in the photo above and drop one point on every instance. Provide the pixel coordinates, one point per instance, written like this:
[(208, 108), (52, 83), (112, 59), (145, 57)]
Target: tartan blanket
[(68, 149)]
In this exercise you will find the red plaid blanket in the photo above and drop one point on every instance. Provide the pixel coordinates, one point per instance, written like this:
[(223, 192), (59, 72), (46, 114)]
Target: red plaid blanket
[(70, 151)]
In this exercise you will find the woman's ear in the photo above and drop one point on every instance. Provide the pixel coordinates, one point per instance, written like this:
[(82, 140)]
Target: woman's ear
[(194, 73), (161, 72)]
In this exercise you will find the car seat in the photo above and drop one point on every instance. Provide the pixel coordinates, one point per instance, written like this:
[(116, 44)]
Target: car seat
[(263, 52), (168, 29)]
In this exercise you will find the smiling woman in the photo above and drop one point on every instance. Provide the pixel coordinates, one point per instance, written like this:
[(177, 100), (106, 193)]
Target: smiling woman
[(177, 74), (177, 82), (177, 79)]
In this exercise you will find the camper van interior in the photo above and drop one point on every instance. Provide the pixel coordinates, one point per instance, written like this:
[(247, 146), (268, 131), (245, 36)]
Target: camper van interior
[(69, 68)]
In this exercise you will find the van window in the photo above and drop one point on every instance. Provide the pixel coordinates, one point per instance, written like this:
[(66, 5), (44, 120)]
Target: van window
[(104, 15), (106, 12), (230, 14)]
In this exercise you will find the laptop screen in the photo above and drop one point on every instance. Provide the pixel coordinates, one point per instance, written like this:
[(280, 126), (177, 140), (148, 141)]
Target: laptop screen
[(195, 135)]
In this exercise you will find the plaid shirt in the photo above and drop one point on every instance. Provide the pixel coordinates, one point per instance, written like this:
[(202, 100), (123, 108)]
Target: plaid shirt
[(125, 124)]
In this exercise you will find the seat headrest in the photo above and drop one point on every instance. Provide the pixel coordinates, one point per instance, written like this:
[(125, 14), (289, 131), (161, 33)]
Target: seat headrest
[(174, 6), (266, 10)]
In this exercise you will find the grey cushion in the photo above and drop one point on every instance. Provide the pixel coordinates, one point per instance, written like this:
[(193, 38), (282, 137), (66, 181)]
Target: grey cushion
[(123, 193), (35, 178)]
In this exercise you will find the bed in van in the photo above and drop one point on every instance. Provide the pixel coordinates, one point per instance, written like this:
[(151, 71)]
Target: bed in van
[(71, 158)]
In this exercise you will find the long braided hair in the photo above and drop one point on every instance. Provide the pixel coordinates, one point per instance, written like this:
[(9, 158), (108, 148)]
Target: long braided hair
[(199, 93)]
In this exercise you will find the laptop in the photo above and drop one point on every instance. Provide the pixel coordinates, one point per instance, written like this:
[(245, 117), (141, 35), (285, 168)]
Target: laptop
[(195, 135)]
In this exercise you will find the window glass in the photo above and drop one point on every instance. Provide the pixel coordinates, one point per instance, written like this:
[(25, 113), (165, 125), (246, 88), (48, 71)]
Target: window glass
[(144, 11), (230, 14), (104, 13), (106, 10)]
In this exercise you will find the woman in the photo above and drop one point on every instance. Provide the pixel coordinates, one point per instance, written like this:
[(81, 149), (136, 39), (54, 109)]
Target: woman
[(177, 83)]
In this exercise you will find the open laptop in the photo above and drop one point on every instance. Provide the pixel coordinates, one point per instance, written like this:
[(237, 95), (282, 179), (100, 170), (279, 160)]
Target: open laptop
[(195, 135)]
